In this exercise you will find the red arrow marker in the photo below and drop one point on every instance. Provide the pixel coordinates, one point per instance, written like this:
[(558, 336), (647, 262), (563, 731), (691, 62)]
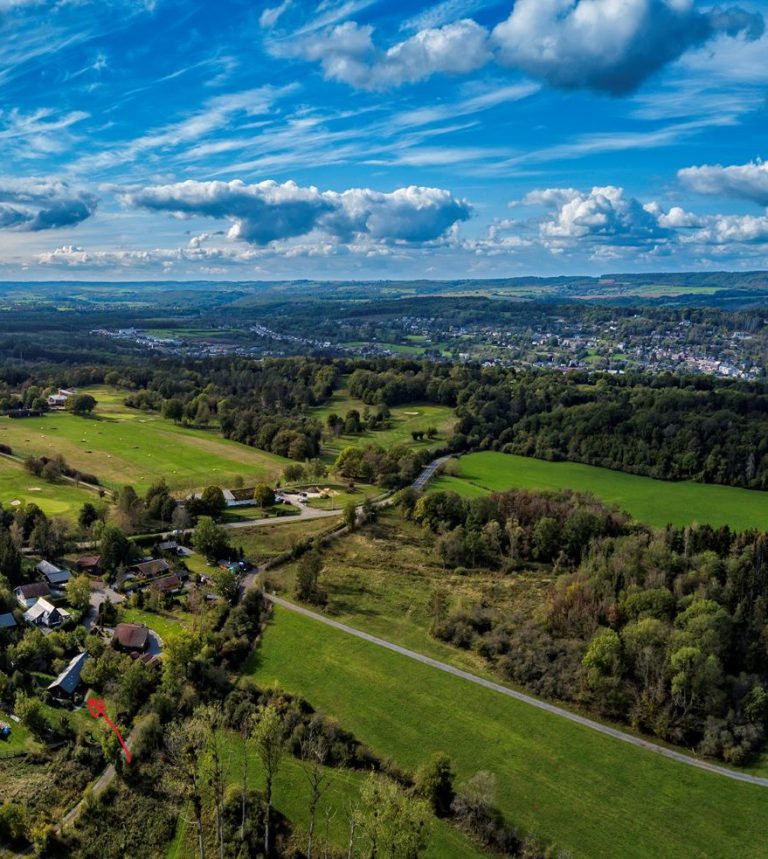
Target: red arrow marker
[(98, 709)]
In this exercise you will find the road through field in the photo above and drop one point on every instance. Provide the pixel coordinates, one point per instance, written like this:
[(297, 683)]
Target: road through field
[(526, 699)]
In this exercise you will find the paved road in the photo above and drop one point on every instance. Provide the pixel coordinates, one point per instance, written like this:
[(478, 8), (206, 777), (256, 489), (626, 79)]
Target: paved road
[(429, 472), (527, 699)]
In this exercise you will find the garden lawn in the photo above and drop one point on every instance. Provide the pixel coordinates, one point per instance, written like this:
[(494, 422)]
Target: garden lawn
[(54, 499), (125, 446), (405, 419), (656, 502), (591, 794), (20, 741), (164, 623)]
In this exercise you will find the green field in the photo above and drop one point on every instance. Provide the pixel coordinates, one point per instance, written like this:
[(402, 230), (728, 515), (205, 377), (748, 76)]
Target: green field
[(593, 795), (54, 499), (657, 502), (124, 446), (404, 420)]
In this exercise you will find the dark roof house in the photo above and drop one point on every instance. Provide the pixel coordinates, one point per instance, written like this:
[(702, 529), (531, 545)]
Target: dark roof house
[(67, 683), (132, 636), (27, 595), (150, 569), (52, 574), (167, 584), (7, 621), (89, 564)]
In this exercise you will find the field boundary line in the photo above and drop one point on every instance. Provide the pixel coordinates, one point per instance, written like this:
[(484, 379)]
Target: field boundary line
[(553, 709)]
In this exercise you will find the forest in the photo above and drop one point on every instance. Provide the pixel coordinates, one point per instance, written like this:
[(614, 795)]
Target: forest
[(664, 630)]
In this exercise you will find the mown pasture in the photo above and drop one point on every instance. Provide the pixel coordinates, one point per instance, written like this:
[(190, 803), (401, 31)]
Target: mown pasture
[(656, 502), (593, 795), (126, 446)]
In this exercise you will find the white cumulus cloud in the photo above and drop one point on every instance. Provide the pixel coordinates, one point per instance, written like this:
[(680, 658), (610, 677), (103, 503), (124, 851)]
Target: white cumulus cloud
[(609, 45), (743, 181), (347, 53), (269, 211), (42, 204), (606, 45)]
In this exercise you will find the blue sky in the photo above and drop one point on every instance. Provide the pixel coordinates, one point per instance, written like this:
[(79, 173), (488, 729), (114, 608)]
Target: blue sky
[(363, 139)]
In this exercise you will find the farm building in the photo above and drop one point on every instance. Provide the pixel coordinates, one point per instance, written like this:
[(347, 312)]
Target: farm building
[(68, 682), (59, 399), (131, 636), (28, 595)]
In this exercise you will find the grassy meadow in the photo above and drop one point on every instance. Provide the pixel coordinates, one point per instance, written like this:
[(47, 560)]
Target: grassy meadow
[(125, 446), (54, 499), (657, 502), (382, 578), (405, 419), (594, 796)]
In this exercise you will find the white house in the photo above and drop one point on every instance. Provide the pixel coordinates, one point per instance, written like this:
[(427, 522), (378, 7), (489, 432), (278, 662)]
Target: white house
[(45, 614)]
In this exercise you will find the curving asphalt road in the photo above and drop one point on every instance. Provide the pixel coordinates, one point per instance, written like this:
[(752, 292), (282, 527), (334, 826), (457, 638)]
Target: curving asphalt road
[(429, 472), (527, 699)]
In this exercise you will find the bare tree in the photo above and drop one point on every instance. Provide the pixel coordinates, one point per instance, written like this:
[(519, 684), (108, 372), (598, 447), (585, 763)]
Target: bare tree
[(314, 752), (184, 743), (211, 720), (270, 745)]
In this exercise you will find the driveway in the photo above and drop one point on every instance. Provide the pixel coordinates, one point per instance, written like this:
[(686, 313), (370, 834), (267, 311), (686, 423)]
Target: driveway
[(99, 595)]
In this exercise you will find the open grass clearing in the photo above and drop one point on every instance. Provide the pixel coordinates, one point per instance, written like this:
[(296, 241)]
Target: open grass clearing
[(164, 623), (404, 420), (382, 579), (593, 795), (656, 502), (125, 446)]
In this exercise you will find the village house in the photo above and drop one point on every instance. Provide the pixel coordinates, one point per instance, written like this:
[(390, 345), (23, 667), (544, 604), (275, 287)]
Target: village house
[(55, 576), (133, 637), (90, 564), (7, 621), (68, 682), (167, 584), (150, 569), (28, 595), (45, 615)]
